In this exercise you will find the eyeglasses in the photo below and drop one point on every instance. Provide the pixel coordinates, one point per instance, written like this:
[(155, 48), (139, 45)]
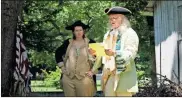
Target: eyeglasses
[(113, 18)]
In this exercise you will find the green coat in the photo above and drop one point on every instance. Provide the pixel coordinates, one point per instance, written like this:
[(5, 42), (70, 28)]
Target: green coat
[(128, 78)]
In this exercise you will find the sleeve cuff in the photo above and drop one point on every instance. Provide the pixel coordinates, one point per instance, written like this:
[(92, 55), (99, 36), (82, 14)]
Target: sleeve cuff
[(127, 56), (60, 64), (94, 71), (97, 64)]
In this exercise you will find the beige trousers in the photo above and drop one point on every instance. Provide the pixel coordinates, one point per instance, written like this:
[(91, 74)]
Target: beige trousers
[(75, 87), (109, 89)]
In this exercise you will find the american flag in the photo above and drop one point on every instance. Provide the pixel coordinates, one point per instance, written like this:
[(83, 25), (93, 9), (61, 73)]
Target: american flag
[(22, 72)]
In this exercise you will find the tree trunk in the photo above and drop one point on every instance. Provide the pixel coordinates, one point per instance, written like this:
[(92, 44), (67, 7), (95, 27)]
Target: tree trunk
[(9, 11)]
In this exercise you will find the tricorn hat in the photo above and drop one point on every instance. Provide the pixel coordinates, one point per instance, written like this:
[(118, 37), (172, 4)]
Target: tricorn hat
[(117, 10), (77, 23)]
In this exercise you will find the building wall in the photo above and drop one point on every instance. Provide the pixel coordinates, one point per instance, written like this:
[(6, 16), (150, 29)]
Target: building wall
[(180, 37), (166, 37)]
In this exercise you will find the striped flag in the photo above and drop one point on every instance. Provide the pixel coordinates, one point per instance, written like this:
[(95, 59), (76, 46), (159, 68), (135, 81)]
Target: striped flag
[(22, 72)]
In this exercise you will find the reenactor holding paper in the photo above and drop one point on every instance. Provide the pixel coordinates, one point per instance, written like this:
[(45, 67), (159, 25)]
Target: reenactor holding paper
[(119, 77)]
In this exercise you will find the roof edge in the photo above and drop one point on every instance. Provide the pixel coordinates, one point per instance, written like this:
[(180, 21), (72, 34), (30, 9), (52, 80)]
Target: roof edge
[(150, 6)]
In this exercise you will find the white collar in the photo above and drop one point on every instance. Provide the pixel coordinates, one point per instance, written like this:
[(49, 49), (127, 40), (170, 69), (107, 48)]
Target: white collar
[(114, 31)]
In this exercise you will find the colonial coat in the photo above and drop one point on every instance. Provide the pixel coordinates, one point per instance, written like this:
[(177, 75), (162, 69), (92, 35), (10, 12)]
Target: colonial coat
[(127, 79)]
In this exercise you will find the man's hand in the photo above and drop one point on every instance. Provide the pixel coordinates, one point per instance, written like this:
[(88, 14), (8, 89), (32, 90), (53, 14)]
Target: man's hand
[(90, 74), (109, 52), (92, 52)]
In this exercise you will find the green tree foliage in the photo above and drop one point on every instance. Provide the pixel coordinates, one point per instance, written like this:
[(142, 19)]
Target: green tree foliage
[(39, 25), (43, 25), (44, 57)]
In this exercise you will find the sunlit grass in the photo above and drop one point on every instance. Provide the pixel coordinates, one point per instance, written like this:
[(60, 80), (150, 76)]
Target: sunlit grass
[(45, 89), (38, 86)]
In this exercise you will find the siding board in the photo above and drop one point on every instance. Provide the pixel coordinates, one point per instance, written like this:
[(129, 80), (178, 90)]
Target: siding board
[(180, 38), (156, 32), (165, 27)]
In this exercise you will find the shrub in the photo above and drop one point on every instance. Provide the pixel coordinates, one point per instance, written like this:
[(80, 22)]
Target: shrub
[(167, 88), (52, 79)]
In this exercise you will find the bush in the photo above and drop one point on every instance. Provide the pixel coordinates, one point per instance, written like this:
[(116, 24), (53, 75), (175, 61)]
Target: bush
[(52, 79), (167, 88)]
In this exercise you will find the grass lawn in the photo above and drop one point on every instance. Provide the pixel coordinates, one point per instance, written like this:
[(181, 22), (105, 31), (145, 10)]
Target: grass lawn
[(37, 83), (45, 89), (38, 86)]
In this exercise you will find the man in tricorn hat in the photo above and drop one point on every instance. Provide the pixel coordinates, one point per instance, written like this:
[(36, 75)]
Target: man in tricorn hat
[(119, 76)]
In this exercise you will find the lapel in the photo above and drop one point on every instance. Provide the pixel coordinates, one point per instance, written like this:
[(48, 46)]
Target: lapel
[(123, 38), (67, 51)]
